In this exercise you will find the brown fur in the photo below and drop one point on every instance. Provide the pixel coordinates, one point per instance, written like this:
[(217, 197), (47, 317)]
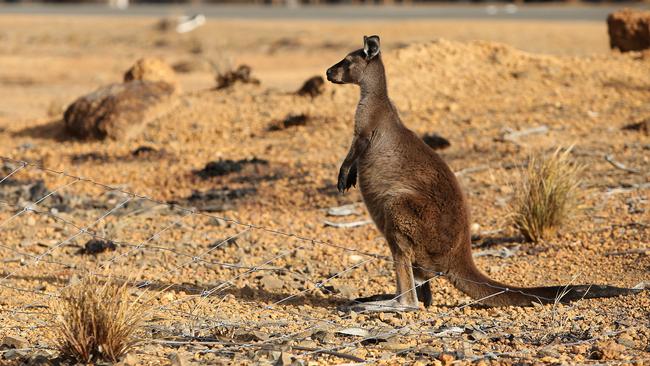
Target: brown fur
[(416, 202)]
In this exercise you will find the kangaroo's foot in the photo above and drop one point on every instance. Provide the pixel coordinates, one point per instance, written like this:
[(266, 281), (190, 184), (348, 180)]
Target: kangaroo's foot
[(386, 303), (379, 306), (378, 297)]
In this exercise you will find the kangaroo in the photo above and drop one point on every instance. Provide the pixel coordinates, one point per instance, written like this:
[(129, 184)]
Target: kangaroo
[(416, 202)]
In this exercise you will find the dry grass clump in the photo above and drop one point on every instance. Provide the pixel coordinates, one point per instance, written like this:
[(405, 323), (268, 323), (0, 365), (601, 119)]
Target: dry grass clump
[(97, 321), (547, 195)]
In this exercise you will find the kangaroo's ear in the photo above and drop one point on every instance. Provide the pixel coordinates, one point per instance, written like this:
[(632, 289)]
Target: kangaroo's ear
[(371, 46)]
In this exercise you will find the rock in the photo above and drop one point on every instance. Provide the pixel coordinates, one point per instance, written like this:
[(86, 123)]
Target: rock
[(151, 69), (216, 200), (641, 126), (14, 342), (346, 291), (96, 246), (118, 111), (242, 74), (290, 121), (285, 359), (177, 360), (224, 167), (313, 87), (323, 336), (446, 358), (629, 30), (14, 354), (626, 340), (41, 360), (129, 360), (271, 283)]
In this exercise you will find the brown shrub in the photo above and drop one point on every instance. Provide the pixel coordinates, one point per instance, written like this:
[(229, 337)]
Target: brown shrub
[(547, 195), (97, 321)]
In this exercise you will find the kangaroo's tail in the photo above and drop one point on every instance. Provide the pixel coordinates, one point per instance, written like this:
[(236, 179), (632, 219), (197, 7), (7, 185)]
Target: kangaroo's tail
[(470, 280)]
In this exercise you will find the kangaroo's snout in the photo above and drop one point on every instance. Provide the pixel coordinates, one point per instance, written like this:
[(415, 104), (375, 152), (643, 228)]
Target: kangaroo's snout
[(334, 74), (329, 74)]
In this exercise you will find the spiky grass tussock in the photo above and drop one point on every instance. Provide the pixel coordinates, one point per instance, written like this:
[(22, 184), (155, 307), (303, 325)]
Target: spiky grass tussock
[(97, 321), (547, 195)]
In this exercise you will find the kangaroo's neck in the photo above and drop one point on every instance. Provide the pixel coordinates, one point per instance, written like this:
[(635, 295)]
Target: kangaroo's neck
[(374, 104), (373, 84)]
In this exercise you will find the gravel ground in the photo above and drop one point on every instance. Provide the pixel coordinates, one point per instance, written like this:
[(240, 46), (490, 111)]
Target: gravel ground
[(255, 275)]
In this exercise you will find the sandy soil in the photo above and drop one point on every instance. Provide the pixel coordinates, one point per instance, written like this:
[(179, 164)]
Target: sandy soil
[(557, 75)]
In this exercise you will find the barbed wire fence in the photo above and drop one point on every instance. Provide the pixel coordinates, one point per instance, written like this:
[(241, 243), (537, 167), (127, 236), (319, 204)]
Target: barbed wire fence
[(226, 319)]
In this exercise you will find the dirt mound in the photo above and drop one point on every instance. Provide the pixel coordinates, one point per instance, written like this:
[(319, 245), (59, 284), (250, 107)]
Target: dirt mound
[(151, 69), (629, 30)]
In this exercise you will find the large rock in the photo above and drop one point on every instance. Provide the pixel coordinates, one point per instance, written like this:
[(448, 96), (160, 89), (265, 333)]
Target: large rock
[(629, 30), (118, 111), (151, 69)]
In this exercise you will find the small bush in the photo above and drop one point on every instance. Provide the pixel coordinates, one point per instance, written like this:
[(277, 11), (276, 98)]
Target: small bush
[(97, 321), (547, 195)]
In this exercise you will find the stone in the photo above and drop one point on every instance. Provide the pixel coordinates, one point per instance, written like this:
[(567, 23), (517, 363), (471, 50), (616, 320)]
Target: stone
[(152, 69), (626, 340), (117, 111), (285, 359), (312, 87), (14, 342), (240, 75), (13, 355), (129, 360), (629, 30), (324, 336), (271, 283), (40, 360), (446, 358), (177, 360)]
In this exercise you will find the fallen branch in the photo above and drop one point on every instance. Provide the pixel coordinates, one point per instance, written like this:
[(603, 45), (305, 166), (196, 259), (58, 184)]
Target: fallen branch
[(347, 225), (345, 210), (514, 135), (621, 166)]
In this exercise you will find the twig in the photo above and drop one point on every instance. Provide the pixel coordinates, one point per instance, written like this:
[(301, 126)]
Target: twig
[(643, 251), (472, 170), (347, 225), (631, 188), (514, 135), (619, 165), (265, 346)]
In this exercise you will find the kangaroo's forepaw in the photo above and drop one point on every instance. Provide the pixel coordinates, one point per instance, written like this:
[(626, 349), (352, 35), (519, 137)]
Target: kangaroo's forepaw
[(342, 181), (379, 306)]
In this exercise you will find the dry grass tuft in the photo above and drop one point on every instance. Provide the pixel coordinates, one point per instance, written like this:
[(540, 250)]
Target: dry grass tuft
[(547, 195), (97, 321)]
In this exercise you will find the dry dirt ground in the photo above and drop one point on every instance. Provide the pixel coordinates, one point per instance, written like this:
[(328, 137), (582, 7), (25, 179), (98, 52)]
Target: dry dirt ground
[(263, 285)]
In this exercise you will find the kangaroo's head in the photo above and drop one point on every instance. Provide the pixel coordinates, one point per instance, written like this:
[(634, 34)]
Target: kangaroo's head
[(351, 69)]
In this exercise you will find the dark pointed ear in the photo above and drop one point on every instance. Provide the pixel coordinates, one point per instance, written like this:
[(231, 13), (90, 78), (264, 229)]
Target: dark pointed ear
[(371, 46)]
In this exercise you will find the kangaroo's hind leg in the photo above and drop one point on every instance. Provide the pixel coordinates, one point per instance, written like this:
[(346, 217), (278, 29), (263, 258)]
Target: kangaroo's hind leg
[(406, 298)]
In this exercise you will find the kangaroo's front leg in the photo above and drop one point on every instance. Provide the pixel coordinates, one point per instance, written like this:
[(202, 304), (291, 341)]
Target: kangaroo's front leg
[(348, 170)]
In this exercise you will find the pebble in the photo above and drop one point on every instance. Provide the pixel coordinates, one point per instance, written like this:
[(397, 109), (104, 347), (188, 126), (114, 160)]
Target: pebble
[(14, 342), (129, 360), (177, 360), (626, 340), (271, 283), (14, 354)]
